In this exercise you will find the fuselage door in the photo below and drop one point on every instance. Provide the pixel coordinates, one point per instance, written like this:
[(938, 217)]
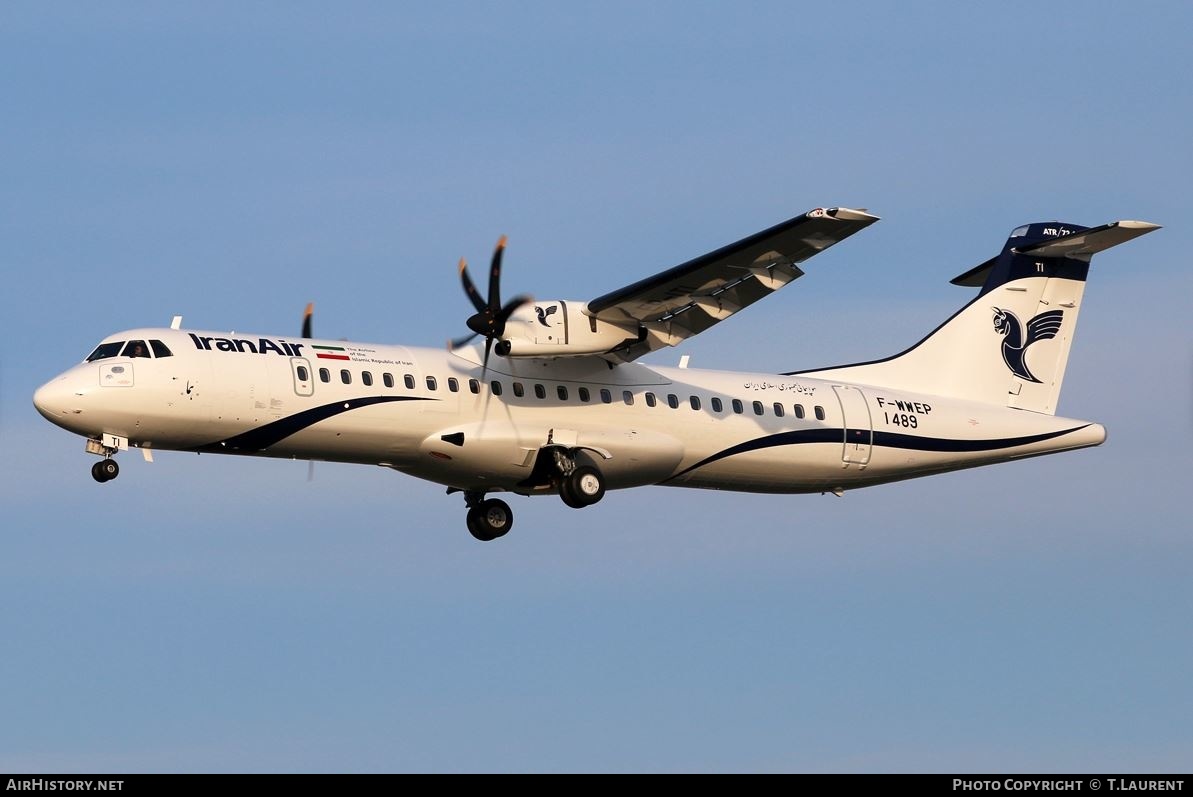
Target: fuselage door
[(859, 433), (304, 378)]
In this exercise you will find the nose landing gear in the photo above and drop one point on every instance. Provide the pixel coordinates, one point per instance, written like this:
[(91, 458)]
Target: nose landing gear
[(105, 470)]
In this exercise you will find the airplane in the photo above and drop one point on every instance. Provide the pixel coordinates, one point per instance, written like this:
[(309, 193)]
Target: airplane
[(556, 402)]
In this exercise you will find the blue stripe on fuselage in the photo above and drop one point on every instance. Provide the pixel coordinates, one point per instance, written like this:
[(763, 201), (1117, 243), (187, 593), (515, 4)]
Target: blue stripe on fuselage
[(881, 439), (270, 434)]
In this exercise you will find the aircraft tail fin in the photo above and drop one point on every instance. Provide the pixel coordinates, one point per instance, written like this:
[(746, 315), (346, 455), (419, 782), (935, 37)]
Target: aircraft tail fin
[(1010, 345)]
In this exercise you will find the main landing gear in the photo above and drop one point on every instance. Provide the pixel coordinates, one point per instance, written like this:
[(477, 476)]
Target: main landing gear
[(488, 518), (579, 486), (582, 487), (105, 470)]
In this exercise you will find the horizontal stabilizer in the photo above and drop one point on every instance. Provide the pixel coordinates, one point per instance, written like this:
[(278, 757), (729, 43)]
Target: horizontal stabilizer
[(1081, 245), (976, 276)]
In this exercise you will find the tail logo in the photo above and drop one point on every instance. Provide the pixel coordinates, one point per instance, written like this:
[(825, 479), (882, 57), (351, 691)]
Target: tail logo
[(1016, 341)]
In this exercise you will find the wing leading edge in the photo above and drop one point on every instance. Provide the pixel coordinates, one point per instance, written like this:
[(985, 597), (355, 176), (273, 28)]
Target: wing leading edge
[(686, 300)]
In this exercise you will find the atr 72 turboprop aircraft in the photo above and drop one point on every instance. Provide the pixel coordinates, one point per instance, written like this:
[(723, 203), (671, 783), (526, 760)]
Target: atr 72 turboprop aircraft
[(554, 403)]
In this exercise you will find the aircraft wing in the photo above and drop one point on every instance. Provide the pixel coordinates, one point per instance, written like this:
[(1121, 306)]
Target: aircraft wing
[(686, 300)]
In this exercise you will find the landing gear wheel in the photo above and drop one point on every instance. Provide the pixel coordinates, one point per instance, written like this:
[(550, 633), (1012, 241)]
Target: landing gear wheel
[(585, 484), (567, 493), (105, 470), (490, 519)]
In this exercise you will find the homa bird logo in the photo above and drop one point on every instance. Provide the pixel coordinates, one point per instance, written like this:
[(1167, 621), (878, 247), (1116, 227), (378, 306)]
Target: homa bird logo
[(1016, 342), (542, 314)]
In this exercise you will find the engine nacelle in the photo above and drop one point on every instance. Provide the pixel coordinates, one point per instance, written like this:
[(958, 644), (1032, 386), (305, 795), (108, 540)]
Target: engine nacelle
[(560, 329)]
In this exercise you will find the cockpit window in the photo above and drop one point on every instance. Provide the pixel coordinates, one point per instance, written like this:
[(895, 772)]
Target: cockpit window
[(1019, 232), (105, 350), (160, 349), (136, 348)]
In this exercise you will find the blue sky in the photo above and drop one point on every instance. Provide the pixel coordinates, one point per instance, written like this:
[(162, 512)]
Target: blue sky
[(231, 164)]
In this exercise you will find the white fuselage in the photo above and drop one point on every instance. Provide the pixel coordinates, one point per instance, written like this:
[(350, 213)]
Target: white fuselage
[(435, 415)]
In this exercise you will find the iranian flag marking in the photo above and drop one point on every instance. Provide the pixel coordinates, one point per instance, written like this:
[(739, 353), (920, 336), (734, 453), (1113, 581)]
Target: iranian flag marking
[(330, 352)]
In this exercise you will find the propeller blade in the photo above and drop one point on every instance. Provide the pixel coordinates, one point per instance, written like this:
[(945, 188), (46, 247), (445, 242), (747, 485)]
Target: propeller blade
[(485, 362), (458, 342), (469, 288), (306, 319), (504, 314), (495, 276), (490, 317)]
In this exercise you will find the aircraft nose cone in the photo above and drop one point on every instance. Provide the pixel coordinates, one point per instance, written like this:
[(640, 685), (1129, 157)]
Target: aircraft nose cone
[(55, 400)]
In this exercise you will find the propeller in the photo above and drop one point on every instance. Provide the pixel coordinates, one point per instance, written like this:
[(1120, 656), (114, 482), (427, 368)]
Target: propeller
[(491, 316), (306, 333), (306, 319)]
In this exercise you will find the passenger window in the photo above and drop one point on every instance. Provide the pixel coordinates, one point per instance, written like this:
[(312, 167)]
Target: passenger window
[(651, 400), (819, 413), (519, 391), (737, 406), (302, 373), (778, 410), (694, 401), (474, 386), (346, 376), (672, 401), (408, 380), (717, 406), (628, 397), (388, 379), (540, 392), (324, 375), (136, 348), (583, 394), (453, 384), (757, 407), (606, 396), (105, 350), (562, 392), (496, 387), (799, 411), (367, 378), (160, 349), (432, 384)]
